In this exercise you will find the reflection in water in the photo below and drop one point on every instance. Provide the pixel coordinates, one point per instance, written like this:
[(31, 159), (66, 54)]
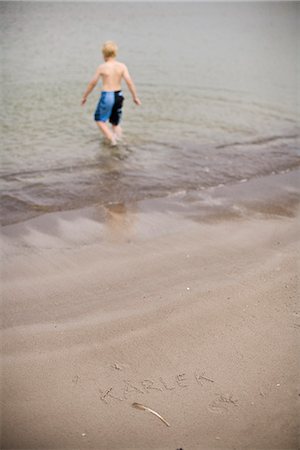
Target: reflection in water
[(111, 160), (119, 217), (120, 220)]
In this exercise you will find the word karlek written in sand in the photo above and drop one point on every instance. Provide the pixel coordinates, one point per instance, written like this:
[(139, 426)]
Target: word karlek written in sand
[(126, 388)]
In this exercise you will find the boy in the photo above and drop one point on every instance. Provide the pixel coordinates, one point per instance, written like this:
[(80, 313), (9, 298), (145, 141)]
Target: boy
[(111, 100)]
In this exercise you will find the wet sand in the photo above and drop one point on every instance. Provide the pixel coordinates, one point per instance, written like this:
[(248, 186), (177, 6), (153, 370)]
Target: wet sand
[(186, 305)]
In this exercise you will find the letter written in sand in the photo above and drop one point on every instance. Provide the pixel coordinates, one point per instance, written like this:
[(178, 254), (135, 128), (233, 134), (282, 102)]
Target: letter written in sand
[(165, 385), (200, 378), (180, 379), (148, 384), (105, 395), (129, 388)]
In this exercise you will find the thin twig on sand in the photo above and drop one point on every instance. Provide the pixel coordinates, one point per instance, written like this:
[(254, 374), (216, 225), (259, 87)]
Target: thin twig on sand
[(145, 408)]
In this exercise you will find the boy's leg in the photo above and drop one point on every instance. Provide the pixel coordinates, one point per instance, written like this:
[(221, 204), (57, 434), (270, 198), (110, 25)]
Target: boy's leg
[(106, 131), (117, 130)]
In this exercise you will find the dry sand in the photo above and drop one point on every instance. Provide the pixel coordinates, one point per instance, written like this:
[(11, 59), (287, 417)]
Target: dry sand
[(195, 319)]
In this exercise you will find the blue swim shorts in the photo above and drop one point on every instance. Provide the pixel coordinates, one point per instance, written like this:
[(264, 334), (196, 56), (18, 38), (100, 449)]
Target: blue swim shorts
[(110, 107)]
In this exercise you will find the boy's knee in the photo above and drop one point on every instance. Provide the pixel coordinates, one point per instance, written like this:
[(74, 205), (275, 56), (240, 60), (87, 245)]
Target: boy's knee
[(100, 123)]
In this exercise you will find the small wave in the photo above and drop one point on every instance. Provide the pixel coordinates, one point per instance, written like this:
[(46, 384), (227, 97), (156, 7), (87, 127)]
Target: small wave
[(78, 167), (263, 140)]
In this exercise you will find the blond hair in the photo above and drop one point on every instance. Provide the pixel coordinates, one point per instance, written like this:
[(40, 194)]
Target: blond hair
[(109, 49)]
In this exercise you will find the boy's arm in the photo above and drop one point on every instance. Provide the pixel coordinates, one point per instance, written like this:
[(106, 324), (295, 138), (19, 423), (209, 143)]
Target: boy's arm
[(91, 84), (131, 86)]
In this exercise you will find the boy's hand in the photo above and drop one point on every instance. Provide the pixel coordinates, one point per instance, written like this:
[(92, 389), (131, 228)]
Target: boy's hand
[(137, 101), (84, 99)]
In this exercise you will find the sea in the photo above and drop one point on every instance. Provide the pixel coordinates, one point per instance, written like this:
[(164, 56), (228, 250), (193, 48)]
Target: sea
[(217, 81)]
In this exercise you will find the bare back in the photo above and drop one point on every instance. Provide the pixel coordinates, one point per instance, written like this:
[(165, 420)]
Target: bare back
[(111, 73)]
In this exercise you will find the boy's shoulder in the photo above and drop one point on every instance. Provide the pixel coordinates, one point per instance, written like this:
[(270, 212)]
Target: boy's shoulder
[(120, 64), (108, 64)]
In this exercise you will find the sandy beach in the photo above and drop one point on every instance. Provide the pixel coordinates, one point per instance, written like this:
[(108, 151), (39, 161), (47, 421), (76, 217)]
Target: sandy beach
[(149, 290), (190, 311)]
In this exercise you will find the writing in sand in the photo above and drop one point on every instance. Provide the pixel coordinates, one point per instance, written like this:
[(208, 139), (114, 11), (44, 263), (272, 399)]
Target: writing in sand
[(126, 387)]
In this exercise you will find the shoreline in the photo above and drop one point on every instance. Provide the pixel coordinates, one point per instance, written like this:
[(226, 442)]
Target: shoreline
[(235, 200), (185, 305), (34, 210)]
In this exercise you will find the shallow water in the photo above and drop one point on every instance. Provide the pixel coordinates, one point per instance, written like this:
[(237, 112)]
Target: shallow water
[(217, 82)]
